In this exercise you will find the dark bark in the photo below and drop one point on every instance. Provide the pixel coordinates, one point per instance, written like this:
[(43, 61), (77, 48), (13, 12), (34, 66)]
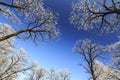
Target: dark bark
[(19, 32), (11, 5)]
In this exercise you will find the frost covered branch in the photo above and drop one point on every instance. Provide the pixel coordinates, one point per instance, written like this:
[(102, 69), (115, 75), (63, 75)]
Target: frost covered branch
[(103, 15)]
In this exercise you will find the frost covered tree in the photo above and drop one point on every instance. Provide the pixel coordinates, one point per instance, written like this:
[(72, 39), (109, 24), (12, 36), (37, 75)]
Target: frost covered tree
[(38, 22), (13, 61), (55, 75), (96, 14), (36, 74), (105, 72), (89, 51), (103, 15), (6, 30), (114, 49), (12, 64), (92, 52), (51, 74)]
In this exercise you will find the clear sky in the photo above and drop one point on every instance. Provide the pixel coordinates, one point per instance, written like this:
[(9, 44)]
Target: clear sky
[(59, 53)]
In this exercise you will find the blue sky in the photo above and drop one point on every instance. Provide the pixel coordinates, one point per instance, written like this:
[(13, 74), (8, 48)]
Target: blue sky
[(59, 53)]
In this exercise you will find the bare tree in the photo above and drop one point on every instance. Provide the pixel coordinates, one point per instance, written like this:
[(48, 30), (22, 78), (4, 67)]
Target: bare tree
[(39, 23), (89, 51), (96, 14)]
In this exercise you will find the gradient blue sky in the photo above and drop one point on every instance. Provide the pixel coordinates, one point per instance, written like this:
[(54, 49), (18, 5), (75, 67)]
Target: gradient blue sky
[(59, 53)]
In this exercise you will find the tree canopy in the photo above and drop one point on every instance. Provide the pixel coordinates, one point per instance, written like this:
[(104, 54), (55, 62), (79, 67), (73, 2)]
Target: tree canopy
[(103, 15), (40, 23)]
